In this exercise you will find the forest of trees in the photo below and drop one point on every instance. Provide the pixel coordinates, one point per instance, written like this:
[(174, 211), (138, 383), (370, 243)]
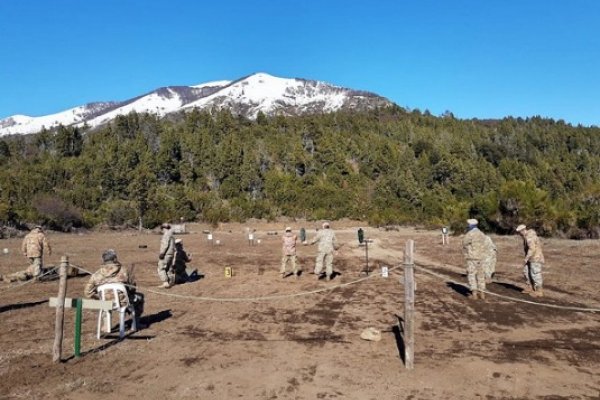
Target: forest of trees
[(387, 166)]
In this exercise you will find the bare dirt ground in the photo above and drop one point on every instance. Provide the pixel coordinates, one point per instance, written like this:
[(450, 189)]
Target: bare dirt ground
[(307, 345)]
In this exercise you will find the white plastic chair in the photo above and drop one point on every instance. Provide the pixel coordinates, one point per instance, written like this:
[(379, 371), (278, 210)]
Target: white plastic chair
[(121, 305)]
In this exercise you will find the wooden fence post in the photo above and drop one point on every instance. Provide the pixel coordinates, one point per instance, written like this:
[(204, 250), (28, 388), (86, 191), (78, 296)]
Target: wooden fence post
[(409, 305), (60, 309)]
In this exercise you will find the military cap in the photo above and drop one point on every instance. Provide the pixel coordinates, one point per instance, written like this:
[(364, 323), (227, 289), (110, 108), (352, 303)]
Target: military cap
[(520, 228), (109, 255), (472, 221)]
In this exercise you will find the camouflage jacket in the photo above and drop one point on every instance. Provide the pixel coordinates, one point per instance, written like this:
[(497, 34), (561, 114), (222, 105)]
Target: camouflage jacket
[(181, 257), (326, 239), (288, 241), (474, 247), (167, 244), (533, 247), (35, 244), (108, 273), (490, 246)]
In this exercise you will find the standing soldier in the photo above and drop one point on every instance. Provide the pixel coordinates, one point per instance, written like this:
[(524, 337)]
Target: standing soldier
[(327, 244), (165, 256), (474, 251), (289, 252), (489, 261), (534, 261), (33, 247)]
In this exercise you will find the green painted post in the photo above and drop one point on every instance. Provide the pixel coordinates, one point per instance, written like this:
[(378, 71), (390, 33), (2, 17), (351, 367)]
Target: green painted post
[(78, 315)]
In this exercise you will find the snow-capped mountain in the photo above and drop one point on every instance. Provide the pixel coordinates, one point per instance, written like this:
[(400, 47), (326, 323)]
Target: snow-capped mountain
[(247, 96)]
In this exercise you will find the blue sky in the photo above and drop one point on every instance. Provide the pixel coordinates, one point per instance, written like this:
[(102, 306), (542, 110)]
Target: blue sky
[(477, 59)]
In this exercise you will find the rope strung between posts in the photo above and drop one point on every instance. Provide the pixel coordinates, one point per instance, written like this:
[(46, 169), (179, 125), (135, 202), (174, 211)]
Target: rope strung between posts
[(247, 299), (448, 279)]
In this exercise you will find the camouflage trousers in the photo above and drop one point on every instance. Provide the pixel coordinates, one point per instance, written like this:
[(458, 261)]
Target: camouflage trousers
[(285, 259), (165, 270), (327, 259), (533, 274), (489, 265), (475, 275), (34, 270)]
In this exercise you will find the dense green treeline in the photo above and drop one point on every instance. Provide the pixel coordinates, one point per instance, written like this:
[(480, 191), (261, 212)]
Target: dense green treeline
[(385, 166)]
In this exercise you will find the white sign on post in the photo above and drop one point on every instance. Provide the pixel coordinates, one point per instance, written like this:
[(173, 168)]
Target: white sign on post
[(209, 236), (384, 271)]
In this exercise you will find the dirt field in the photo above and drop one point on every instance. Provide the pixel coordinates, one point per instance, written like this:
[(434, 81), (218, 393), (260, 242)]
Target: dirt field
[(307, 345)]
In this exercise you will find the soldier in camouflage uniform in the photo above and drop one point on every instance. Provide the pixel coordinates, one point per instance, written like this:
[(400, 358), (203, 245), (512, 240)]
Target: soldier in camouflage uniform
[(534, 261), (327, 244), (288, 240), (179, 262), (165, 257), (474, 253), (34, 246), (111, 271), (489, 261)]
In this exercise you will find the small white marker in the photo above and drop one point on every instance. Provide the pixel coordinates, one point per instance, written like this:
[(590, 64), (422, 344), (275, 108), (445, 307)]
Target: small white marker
[(384, 271)]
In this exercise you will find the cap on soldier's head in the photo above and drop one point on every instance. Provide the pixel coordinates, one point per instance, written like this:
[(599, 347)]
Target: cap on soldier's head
[(326, 224), (288, 229), (520, 228), (109, 255), (165, 225), (177, 241), (472, 221)]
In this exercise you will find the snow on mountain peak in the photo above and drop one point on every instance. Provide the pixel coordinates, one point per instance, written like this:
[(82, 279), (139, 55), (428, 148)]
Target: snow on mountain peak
[(259, 92)]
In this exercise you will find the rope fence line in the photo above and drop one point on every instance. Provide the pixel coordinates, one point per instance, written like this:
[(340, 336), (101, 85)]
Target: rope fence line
[(321, 290), (246, 299), (260, 298), (501, 296)]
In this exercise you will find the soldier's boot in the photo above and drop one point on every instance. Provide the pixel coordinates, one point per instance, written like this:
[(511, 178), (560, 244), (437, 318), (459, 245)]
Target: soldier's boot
[(474, 295), (527, 289), (482, 295), (537, 293)]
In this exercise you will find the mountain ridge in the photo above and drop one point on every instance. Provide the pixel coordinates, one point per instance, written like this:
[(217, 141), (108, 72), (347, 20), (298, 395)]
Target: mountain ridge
[(247, 96)]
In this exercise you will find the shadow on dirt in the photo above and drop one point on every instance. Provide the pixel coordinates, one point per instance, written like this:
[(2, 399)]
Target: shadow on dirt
[(509, 286), (460, 289), (18, 306), (115, 340), (147, 320), (399, 336)]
